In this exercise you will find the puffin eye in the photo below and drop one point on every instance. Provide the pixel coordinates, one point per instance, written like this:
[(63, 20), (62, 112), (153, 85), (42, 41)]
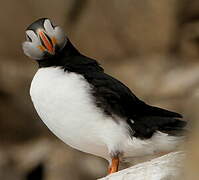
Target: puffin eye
[(28, 38)]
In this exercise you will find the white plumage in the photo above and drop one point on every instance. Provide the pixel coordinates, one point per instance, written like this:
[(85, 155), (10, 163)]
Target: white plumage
[(64, 102)]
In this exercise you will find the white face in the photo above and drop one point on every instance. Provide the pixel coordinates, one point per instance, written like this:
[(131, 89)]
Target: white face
[(44, 40)]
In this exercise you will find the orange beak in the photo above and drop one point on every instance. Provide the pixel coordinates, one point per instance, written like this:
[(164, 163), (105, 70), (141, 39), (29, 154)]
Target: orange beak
[(47, 43)]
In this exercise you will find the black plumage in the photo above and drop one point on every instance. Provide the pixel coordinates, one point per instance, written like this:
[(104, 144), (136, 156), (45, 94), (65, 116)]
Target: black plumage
[(114, 98)]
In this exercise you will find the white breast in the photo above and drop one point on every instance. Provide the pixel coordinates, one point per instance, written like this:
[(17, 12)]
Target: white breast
[(64, 102)]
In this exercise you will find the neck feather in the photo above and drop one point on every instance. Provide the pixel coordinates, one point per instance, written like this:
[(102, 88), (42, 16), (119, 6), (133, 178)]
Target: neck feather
[(70, 59), (60, 59)]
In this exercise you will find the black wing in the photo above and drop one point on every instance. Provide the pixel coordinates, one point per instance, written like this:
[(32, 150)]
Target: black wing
[(114, 98)]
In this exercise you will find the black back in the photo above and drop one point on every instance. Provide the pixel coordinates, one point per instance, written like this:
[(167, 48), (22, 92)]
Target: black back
[(113, 97)]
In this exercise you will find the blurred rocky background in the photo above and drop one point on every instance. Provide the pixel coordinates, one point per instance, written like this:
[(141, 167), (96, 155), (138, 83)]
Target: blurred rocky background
[(152, 46)]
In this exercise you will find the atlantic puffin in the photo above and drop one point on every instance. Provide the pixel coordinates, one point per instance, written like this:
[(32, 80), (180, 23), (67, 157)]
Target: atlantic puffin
[(90, 110)]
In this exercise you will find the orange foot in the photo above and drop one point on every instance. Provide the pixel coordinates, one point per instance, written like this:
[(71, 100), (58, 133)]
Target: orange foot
[(114, 165)]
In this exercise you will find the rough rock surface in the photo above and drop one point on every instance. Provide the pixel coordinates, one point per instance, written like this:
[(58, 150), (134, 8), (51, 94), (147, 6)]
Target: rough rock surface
[(167, 167)]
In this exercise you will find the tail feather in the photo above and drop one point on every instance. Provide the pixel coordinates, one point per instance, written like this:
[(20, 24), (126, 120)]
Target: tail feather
[(146, 126), (156, 111), (176, 128)]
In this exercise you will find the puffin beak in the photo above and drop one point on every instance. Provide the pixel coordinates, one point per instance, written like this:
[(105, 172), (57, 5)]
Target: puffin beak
[(48, 44)]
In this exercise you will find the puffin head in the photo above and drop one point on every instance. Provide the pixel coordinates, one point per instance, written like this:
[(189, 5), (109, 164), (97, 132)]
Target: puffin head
[(43, 39)]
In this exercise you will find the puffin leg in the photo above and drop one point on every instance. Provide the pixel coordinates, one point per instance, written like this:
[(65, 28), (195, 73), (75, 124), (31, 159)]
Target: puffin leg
[(113, 167)]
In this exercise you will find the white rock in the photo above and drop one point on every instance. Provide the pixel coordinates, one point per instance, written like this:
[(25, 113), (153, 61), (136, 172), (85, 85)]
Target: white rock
[(167, 167)]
